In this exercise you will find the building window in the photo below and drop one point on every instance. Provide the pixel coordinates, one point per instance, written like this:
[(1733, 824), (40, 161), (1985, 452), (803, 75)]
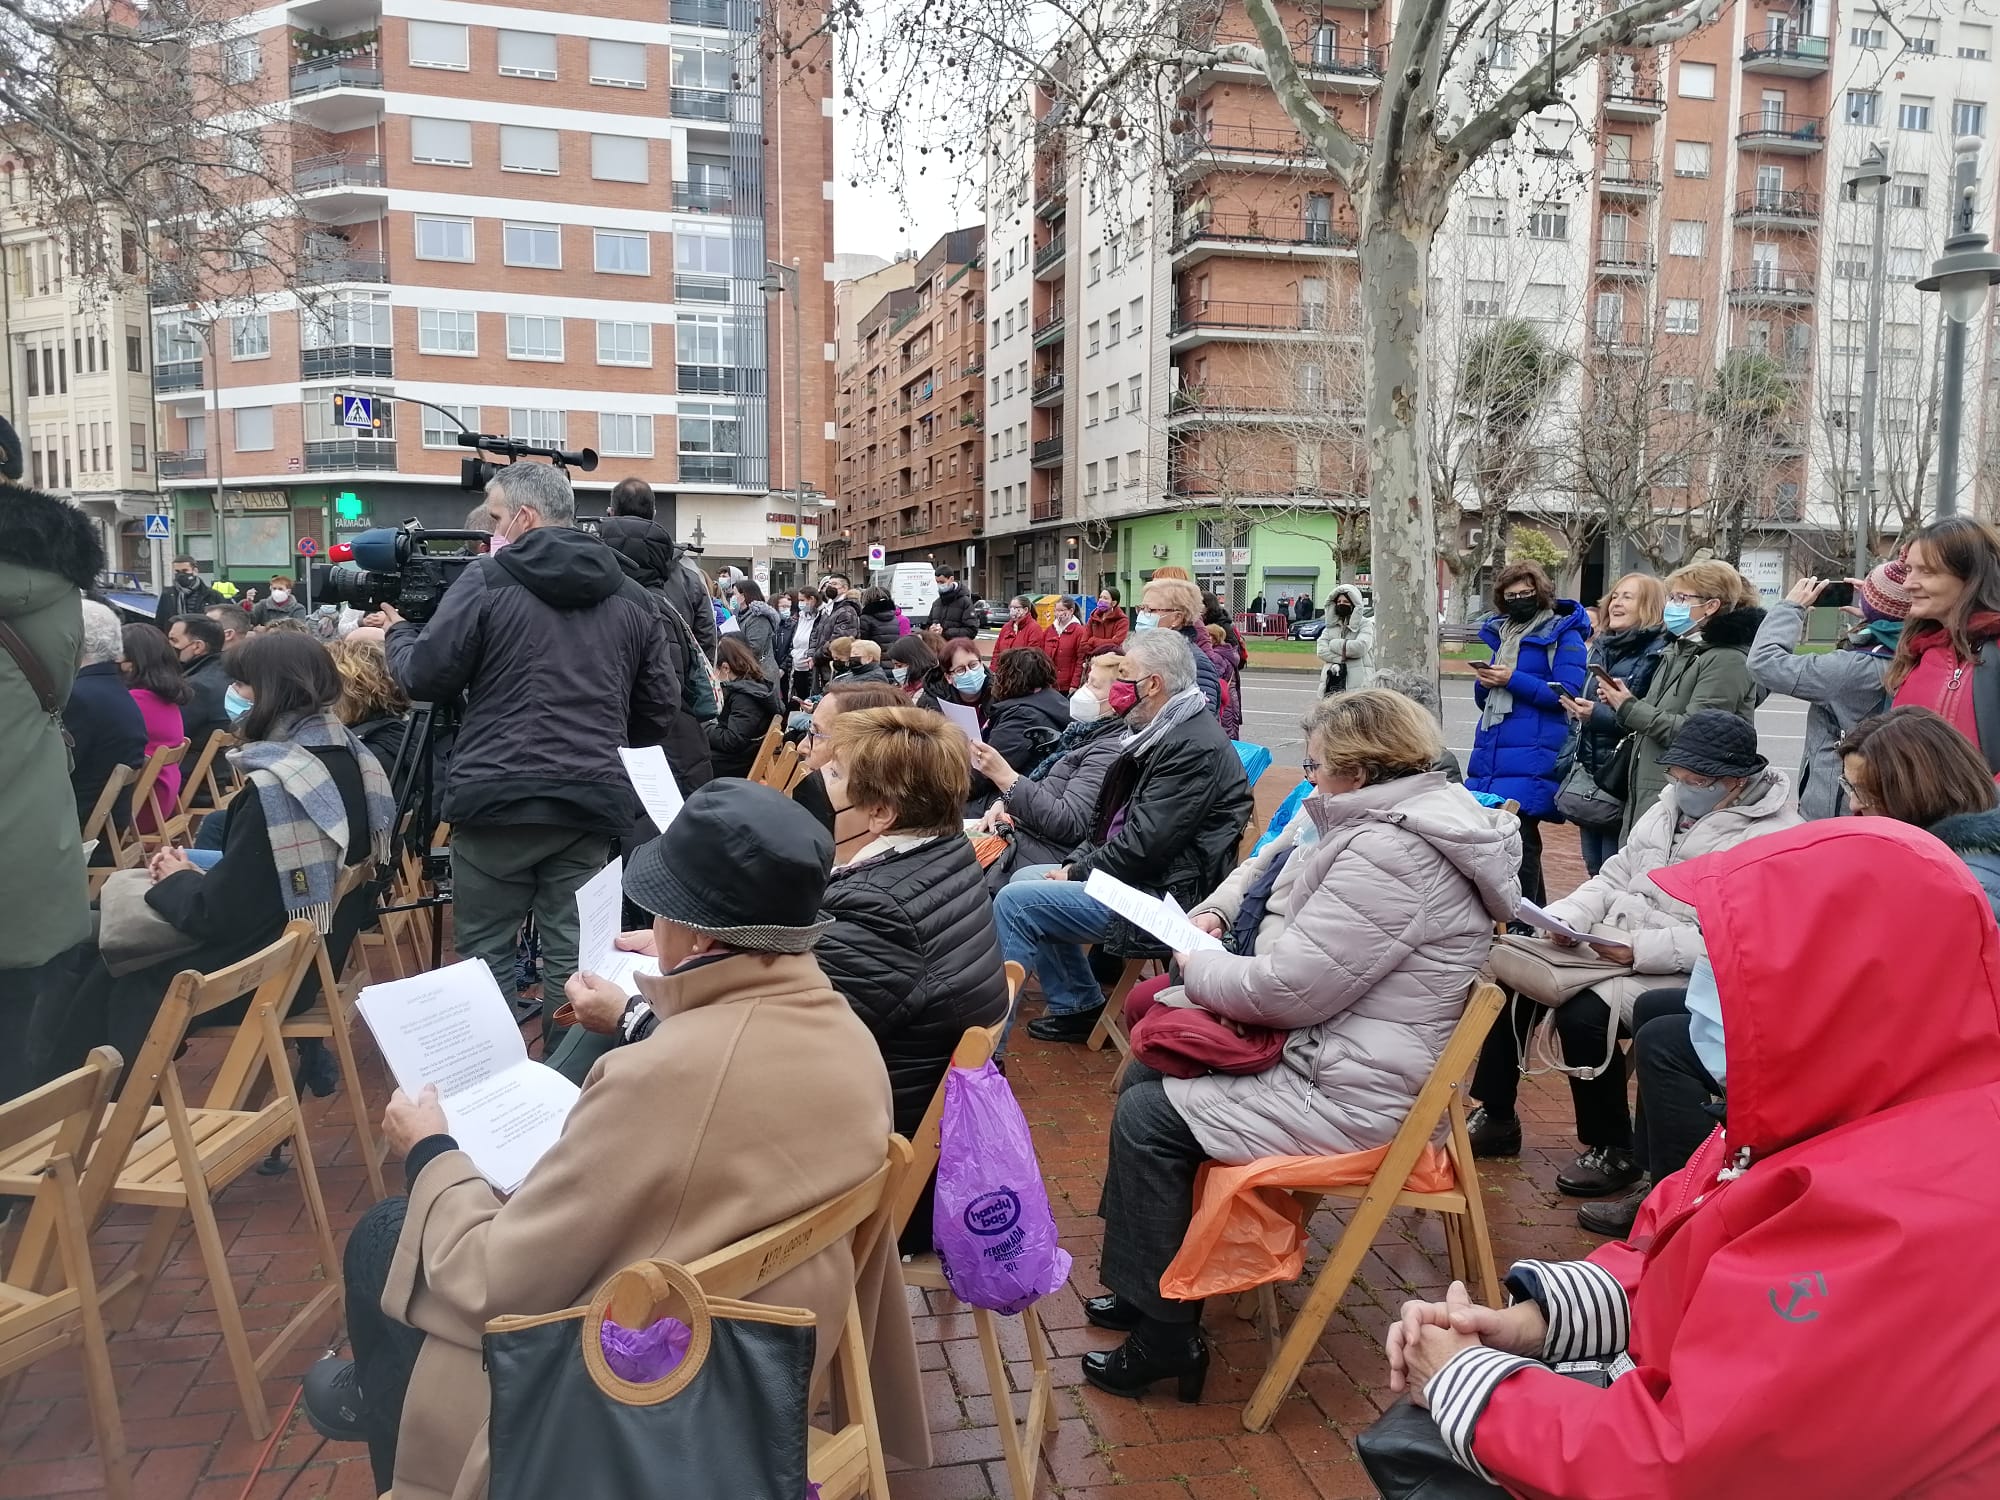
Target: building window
[(1691, 158), (1913, 113), (1906, 263), (705, 352), (619, 158), (618, 65), (253, 429), (530, 337), (1975, 42), (1133, 403), (1114, 329), (1697, 80), (442, 330), (1543, 301), (1549, 221), (1132, 469), (1090, 479), (1907, 191), (1111, 471), (1683, 315), (625, 434), (1096, 264), (527, 148), (1864, 106), (708, 439), (1850, 262), (437, 44), (1486, 217), (623, 253), (346, 320), (1686, 237), (441, 143), (138, 447), (443, 239), (537, 245), (624, 343), (135, 351), (1869, 37), (1135, 316), (1091, 410), (1679, 392), (242, 59), (441, 432), (538, 425), (1482, 299), (1096, 332), (1968, 117), (1111, 402), (250, 336), (527, 54)]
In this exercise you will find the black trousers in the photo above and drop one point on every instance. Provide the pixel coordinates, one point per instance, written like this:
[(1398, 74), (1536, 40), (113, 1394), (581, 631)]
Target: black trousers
[(1582, 1024), (1148, 1199), (385, 1351), (22, 1064), (1533, 887), (1679, 1102)]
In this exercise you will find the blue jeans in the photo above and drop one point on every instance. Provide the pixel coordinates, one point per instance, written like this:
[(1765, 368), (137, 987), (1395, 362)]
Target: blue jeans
[(1043, 925), (1600, 842)]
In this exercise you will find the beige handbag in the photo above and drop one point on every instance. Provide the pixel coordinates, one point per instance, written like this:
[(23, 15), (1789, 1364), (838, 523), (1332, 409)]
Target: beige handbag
[(1539, 970), (130, 934)]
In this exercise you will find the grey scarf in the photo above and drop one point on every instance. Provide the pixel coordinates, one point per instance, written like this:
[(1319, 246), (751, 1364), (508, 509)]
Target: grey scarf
[(1500, 702), (1178, 709)]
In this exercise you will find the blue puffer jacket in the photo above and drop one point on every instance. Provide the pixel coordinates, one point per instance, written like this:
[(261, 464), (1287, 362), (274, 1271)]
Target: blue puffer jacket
[(1517, 757), (1975, 838)]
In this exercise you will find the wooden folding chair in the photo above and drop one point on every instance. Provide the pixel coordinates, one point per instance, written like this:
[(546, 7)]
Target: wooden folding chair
[(146, 802), (849, 1462), (786, 771), (767, 751), (40, 1313), (156, 1152), (1021, 1440), (331, 1019), (201, 792), (1110, 1025), (102, 826), (1466, 1239)]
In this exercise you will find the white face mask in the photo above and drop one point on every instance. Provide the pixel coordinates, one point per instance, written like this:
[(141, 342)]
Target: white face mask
[(1084, 707), (281, 596)]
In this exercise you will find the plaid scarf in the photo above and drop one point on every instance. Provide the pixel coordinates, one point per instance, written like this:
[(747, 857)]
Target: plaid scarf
[(304, 812)]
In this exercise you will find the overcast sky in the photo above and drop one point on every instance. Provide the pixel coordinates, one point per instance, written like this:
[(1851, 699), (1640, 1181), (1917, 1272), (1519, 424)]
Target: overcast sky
[(871, 220)]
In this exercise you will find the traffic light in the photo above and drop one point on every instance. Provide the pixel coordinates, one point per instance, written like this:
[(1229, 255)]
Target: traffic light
[(347, 506)]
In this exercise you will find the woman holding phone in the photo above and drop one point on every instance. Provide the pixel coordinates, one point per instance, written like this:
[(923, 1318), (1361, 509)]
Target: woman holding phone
[(1626, 650)]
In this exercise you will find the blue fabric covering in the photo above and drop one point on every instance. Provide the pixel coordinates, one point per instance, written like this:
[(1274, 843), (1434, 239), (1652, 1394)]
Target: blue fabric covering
[(1286, 810), (1516, 758), (1256, 759)]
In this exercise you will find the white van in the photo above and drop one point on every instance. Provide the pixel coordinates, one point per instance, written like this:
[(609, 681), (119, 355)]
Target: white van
[(912, 585)]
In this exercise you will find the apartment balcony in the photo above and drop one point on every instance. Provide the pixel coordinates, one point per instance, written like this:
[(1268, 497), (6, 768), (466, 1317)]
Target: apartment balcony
[(1623, 258), (1770, 286), (338, 94), (1047, 453), (1270, 236), (1777, 131), (1048, 391), (699, 13), (341, 188), (1228, 406), (1242, 148), (699, 104), (192, 464), (1792, 367), (708, 198), (719, 380), (1627, 340), (1045, 508), (1357, 68), (350, 453), (334, 269), (1049, 259), (1051, 192), (1200, 321), (1049, 328), (178, 375), (1785, 56), (718, 468), (346, 359), (1778, 208), (1629, 179), (1636, 99)]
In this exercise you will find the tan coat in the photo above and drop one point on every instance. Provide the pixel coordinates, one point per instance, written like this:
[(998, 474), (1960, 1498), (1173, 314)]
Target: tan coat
[(758, 1096)]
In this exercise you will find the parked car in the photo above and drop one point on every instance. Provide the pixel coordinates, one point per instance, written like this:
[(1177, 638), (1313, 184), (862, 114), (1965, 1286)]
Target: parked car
[(984, 611), (1309, 630)]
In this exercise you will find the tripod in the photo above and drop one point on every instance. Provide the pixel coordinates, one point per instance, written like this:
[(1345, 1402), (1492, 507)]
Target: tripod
[(433, 726)]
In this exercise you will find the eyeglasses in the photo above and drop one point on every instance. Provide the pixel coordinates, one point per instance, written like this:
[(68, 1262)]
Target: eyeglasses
[(1689, 598), (1855, 797), (1693, 781), (1517, 598), (1310, 767)]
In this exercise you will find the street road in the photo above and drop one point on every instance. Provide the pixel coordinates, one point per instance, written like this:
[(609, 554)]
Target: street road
[(1274, 701)]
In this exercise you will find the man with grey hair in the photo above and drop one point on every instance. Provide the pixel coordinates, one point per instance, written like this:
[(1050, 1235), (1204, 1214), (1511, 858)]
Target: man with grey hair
[(100, 715), (1169, 816), (561, 660)]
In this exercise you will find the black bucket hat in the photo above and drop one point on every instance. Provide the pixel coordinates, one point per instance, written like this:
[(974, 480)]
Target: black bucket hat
[(1715, 743), (742, 863)]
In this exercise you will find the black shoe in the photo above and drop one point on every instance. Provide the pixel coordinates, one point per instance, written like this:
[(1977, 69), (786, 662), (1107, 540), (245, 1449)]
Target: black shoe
[(1614, 1217), (1493, 1135), (1112, 1311), (317, 1074), (1600, 1172), (1067, 1026), (1153, 1352), (332, 1400)]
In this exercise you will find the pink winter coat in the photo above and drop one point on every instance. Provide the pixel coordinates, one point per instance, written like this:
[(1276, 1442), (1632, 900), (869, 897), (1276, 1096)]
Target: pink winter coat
[(163, 727)]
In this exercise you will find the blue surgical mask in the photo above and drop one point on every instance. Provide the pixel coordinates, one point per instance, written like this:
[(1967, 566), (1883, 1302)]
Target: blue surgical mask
[(235, 704), (1679, 619), (900, 673), (1149, 619), (1704, 1007), (971, 680)]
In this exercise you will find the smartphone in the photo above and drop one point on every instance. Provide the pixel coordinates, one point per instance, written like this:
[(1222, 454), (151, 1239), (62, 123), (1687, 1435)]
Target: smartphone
[(1836, 595), (1601, 672), (1559, 690)]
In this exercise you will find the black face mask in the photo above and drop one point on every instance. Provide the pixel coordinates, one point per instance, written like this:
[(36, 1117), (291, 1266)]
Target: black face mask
[(186, 581), (856, 664), (1520, 611)]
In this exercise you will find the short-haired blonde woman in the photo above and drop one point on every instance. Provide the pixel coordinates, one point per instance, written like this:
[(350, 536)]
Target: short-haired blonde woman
[(912, 943), (1358, 931), (1631, 637), (1712, 615), (1175, 604)]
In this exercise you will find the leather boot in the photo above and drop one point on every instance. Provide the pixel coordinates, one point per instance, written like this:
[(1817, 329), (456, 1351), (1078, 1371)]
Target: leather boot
[(1153, 1352), (1493, 1135), (1112, 1311)]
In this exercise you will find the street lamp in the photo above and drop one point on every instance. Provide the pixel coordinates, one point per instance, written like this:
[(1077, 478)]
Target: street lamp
[(1961, 277), (781, 280), (1869, 182)]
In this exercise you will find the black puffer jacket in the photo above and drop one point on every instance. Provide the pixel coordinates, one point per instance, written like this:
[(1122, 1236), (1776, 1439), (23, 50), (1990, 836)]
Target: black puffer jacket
[(878, 624), (1632, 656), (561, 658), (952, 613), (914, 949), (1022, 729), (747, 710), (665, 561)]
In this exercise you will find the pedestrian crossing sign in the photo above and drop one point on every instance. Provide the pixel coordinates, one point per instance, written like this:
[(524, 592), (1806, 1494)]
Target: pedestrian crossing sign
[(159, 528), (356, 411)]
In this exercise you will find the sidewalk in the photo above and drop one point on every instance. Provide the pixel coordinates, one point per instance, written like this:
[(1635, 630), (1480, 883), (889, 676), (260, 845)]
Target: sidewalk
[(189, 1440)]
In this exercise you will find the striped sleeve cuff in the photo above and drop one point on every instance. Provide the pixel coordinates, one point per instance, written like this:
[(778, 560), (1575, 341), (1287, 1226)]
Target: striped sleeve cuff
[(1588, 1312), (1458, 1393)]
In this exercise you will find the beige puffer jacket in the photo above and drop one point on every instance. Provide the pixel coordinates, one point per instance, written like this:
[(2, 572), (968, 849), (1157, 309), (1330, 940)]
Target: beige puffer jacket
[(1374, 931)]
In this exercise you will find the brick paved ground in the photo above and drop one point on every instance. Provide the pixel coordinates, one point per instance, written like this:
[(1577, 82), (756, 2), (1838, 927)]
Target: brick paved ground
[(189, 1439)]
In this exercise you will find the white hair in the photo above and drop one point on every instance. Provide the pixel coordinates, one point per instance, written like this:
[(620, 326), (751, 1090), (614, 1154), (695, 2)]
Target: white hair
[(1164, 654), (103, 635), (543, 488)]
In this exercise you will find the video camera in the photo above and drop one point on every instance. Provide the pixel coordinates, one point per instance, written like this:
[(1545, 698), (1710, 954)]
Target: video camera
[(473, 473), (395, 565)]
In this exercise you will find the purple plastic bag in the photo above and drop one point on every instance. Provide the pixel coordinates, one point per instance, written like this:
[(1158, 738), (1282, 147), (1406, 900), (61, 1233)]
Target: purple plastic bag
[(643, 1355), (991, 1224)]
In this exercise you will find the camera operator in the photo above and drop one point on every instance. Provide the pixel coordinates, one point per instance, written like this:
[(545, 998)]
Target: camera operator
[(559, 655), (634, 530)]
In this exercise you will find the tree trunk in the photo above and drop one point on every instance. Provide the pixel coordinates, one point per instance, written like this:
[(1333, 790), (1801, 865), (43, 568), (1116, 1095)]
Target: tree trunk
[(1395, 256)]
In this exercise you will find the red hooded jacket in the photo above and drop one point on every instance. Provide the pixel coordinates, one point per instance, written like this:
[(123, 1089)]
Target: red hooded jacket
[(1026, 631), (1942, 680), (1066, 649), (1805, 1303)]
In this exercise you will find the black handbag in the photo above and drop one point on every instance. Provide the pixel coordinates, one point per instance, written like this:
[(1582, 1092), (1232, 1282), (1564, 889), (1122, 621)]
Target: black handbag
[(1614, 778), (1406, 1459), (728, 1420)]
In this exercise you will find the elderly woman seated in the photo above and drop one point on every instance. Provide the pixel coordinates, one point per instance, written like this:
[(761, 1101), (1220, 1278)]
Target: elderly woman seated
[(1051, 807), (1358, 932), (747, 1093), (912, 944)]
